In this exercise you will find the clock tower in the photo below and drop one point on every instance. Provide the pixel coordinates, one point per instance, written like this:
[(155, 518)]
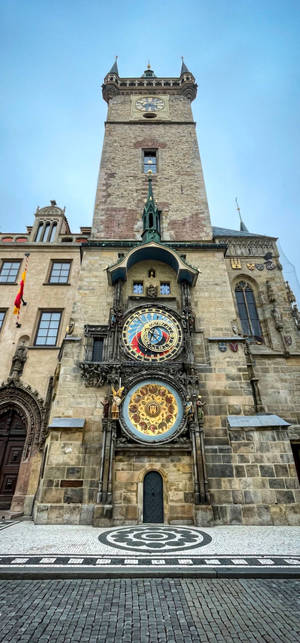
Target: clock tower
[(157, 412), (150, 125)]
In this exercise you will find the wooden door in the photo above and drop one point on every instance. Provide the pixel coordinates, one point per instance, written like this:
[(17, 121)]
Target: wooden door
[(12, 439), (153, 510)]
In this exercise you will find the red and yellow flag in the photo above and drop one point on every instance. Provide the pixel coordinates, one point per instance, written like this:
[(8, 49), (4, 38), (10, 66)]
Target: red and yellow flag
[(19, 298)]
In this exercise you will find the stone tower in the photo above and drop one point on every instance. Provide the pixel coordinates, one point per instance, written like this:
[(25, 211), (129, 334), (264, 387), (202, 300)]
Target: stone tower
[(168, 387), (150, 125)]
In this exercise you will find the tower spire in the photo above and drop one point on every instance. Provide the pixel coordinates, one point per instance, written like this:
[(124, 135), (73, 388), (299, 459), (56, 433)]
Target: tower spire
[(114, 69), (243, 227), (151, 222), (184, 69)]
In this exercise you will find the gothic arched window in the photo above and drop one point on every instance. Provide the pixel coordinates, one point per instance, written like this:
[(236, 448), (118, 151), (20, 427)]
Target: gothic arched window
[(247, 310)]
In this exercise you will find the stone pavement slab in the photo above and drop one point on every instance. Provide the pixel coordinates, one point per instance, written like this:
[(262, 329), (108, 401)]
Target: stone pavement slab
[(70, 551)]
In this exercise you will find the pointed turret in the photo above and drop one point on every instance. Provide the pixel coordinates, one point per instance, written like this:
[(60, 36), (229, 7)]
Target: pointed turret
[(151, 217), (114, 69), (184, 69)]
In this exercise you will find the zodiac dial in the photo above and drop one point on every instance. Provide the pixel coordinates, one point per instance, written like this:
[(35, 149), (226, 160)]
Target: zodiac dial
[(152, 335), (149, 104), (152, 411)]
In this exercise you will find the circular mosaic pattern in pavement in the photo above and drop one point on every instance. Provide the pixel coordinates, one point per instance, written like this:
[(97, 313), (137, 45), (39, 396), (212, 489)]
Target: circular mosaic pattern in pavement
[(155, 539)]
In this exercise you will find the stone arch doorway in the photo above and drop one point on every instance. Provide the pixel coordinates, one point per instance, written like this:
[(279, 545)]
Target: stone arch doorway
[(13, 431), (153, 502)]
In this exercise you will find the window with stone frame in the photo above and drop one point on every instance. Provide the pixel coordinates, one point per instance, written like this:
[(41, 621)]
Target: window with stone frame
[(9, 271), (165, 288), (150, 161), (138, 287), (2, 316), (48, 327), (59, 273), (247, 310), (96, 343)]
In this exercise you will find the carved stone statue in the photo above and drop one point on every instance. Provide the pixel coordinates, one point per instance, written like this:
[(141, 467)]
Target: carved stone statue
[(270, 291), (235, 328), (18, 361), (105, 405), (200, 410), (277, 318), (117, 399), (296, 315), (290, 295), (188, 410)]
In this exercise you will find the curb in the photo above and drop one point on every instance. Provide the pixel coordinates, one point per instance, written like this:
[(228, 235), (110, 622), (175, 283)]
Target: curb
[(44, 573)]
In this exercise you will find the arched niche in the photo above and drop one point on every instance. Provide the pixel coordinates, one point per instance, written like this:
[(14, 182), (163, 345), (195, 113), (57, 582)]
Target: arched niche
[(23, 419)]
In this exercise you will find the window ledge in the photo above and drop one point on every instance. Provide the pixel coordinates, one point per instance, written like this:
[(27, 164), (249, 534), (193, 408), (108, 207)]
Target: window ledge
[(47, 283), (153, 299), (9, 283), (49, 348)]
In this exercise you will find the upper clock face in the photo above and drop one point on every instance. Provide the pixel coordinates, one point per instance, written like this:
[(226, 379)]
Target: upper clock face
[(149, 104), (152, 335)]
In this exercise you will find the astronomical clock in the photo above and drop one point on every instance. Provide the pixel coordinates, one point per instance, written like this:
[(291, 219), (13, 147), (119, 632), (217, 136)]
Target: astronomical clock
[(152, 335), (152, 410)]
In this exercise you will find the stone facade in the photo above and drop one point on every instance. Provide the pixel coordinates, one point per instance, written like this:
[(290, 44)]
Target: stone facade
[(29, 391), (233, 375)]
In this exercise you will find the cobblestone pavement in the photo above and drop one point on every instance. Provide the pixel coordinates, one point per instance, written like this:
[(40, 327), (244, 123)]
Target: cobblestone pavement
[(149, 611)]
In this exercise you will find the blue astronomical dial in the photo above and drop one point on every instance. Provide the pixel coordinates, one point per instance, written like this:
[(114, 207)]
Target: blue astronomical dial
[(151, 334)]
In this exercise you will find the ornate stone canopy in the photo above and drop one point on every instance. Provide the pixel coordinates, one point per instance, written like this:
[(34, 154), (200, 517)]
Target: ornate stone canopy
[(153, 251)]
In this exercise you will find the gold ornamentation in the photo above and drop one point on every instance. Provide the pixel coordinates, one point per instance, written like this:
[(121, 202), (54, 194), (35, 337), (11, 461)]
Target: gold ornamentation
[(152, 409), (117, 399), (235, 263), (251, 266)]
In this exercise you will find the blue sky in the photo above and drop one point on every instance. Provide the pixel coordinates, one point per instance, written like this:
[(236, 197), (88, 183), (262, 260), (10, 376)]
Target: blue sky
[(244, 55)]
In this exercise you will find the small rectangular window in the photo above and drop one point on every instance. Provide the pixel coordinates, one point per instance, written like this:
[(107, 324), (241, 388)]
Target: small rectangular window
[(59, 272), (138, 287), (48, 328), (165, 288), (9, 272), (150, 161), (2, 315), (97, 349)]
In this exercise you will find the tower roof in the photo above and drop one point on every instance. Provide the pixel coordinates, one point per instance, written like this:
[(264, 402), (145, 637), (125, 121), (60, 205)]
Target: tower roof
[(184, 84), (184, 69), (114, 69)]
